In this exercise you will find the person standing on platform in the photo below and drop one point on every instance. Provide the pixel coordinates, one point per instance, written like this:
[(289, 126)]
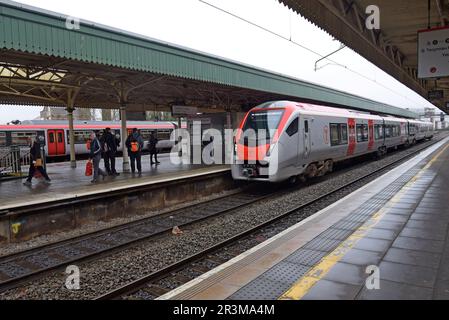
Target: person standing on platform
[(134, 143), (95, 156), (109, 143), (37, 161), (152, 148)]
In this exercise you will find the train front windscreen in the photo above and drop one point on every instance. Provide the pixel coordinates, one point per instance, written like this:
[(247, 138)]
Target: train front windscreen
[(263, 123)]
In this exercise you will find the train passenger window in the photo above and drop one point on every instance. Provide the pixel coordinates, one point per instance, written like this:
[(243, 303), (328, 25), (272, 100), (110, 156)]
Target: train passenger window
[(60, 140), (81, 137), (339, 134), (362, 132), (344, 133), (2, 139), (306, 126), (163, 134), (388, 133), (24, 138), (378, 132), (52, 137), (292, 128)]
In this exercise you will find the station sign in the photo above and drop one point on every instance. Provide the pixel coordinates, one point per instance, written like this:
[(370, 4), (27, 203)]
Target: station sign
[(183, 111), (433, 53), (436, 94)]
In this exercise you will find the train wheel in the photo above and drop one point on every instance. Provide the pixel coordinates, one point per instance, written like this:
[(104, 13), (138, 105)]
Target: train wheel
[(293, 180), (329, 166), (312, 170)]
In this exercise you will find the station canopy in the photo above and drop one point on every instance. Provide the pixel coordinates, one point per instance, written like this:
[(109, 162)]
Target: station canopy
[(394, 46), (44, 60)]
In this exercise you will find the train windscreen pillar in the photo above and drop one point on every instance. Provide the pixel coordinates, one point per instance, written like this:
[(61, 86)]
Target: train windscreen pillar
[(71, 138), (124, 136)]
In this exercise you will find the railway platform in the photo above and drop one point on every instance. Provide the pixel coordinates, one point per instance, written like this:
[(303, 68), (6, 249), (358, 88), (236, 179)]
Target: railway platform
[(71, 183), (71, 200), (387, 240)]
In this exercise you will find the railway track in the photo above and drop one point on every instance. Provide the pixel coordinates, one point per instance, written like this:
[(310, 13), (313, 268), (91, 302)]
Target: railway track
[(30, 264), (165, 279)]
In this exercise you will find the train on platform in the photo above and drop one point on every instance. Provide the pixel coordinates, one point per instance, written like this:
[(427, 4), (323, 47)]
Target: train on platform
[(57, 138), (301, 141)]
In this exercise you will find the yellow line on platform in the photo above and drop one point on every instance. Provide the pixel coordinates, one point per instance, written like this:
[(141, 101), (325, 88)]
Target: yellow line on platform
[(304, 284)]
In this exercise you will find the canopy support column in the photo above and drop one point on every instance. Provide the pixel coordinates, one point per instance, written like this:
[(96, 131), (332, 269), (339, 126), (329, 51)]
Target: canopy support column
[(124, 137), (71, 95)]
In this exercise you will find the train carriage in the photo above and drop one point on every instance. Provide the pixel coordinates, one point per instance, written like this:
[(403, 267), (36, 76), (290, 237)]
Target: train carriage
[(305, 140), (57, 138)]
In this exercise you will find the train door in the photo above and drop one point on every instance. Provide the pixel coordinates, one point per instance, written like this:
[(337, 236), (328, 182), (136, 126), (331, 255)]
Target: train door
[(307, 137), (55, 142)]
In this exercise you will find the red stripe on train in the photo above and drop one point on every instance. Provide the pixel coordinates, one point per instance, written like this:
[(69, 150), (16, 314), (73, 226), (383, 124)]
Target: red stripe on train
[(352, 136)]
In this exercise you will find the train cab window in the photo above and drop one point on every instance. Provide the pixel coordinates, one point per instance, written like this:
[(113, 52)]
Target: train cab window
[(339, 134), (23, 138), (2, 139), (362, 132), (263, 121), (293, 128), (378, 132)]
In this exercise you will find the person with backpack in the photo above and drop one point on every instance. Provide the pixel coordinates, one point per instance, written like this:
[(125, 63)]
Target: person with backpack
[(109, 143), (134, 143), (152, 148), (37, 159), (95, 156)]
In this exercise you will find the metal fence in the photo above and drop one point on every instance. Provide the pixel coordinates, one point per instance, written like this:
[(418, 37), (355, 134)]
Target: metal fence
[(12, 161)]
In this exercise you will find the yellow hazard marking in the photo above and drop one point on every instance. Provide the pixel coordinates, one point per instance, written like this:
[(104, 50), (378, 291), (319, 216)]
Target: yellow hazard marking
[(304, 284)]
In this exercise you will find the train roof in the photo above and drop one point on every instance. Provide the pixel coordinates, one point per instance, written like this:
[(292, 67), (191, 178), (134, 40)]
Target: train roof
[(326, 110), (86, 125)]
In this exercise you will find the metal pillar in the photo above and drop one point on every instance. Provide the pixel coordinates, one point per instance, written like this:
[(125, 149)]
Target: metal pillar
[(70, 108), (71, 138), (124, 136)]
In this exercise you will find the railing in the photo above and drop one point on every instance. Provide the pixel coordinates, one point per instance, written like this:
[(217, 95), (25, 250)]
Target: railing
[(12, 160)]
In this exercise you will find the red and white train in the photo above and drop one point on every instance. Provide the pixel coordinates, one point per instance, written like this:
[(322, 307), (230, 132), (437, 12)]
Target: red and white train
[(304, 140), (56, 134)]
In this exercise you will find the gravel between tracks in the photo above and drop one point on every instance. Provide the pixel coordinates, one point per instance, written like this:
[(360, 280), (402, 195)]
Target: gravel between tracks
[(117, 269)]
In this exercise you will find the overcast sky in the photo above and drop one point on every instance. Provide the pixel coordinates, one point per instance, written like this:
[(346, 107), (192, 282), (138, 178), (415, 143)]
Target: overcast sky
[(193, 24)]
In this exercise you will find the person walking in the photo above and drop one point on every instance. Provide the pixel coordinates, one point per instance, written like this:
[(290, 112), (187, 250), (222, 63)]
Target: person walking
[(95, 156), (109, 142), (37, 161), (152, 143), (134, 143)]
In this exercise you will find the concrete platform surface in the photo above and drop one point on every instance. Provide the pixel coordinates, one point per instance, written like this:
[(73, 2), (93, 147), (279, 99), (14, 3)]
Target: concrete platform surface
[(387, 240), (69, 183)]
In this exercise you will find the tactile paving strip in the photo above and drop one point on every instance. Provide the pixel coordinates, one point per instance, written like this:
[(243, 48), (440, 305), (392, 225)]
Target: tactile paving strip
[(278, 279)]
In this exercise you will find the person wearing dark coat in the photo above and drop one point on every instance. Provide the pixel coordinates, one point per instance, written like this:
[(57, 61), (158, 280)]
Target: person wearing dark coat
[(95, 156), (36, 154), (134, 144), (152, 143), (109, 143)]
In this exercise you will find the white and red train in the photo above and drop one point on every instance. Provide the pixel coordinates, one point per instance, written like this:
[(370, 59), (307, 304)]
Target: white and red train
[(56, 134), (304, 140)]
